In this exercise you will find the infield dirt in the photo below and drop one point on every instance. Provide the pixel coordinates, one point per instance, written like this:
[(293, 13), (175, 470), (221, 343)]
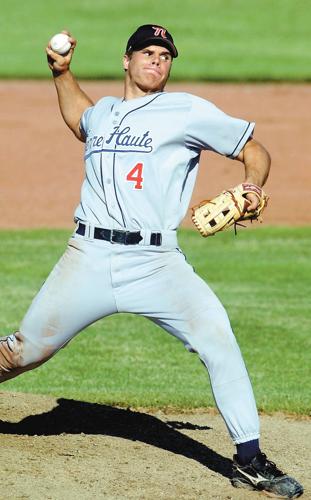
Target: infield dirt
[(62, 449)]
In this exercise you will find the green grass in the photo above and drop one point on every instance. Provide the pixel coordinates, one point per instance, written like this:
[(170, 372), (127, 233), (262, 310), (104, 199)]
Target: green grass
[(217, 39), (263, 278)]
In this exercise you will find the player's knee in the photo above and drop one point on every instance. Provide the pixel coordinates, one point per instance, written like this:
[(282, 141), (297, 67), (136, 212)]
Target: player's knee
[(12, 356)]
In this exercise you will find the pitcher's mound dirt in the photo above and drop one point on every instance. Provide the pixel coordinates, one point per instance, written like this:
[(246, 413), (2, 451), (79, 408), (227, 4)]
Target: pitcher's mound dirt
[(66, 449)]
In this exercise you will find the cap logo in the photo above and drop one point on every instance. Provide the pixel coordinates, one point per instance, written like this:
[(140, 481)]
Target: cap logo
[(159, 31)]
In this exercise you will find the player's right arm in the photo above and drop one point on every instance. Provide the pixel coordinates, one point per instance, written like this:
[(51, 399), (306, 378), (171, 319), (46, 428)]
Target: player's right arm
[(71, 98)]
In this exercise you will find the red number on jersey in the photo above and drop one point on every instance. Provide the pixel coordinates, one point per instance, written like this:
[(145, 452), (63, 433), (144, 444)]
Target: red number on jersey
[(136, 175)]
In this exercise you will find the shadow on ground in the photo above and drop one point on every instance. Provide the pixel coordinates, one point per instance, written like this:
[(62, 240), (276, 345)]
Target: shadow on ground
[(76, 417)]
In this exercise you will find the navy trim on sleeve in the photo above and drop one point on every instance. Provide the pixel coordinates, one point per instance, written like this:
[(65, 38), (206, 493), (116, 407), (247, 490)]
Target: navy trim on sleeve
[(236, 147)]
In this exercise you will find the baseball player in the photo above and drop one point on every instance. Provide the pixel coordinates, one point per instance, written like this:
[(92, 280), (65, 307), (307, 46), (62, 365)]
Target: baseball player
[(141, 160)]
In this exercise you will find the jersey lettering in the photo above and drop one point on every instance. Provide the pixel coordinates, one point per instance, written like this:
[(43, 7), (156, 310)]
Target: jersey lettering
[(125, 138), (136, 175)]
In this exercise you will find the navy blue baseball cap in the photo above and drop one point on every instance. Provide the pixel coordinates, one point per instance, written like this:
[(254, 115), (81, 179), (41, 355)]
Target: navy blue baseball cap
[(150, 34)]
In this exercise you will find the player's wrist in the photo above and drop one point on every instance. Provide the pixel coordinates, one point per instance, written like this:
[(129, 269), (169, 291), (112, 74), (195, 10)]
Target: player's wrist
[(59, 74), (56, 73)]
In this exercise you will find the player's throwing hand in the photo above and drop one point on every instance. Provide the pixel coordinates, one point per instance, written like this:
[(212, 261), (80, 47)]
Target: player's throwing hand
[(59, 63)]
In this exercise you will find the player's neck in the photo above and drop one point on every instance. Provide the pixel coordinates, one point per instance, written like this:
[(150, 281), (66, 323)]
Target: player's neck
[(133, 92)]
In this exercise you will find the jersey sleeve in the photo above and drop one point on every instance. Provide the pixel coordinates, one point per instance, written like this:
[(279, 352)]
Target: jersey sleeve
[(85, 119), (93, 113), (209, 128)]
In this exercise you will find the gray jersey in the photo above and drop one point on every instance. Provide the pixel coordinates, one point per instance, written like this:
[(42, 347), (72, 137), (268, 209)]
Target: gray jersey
[(142, 156)]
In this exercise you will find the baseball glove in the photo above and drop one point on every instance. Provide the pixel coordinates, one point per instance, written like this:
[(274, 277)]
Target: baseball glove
[(227, 209)]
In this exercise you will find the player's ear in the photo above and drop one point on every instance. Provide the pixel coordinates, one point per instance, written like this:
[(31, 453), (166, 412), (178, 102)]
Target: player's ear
[(126, 60)]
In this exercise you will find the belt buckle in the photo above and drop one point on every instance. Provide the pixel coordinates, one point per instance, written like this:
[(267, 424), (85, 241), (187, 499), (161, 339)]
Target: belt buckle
[(125, 237), (112, 235)]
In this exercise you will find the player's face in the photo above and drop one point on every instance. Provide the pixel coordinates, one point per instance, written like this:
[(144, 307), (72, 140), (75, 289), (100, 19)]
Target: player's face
[(148, 69)]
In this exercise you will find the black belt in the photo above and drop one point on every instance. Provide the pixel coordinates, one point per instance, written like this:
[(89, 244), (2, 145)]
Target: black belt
[(122, 237)]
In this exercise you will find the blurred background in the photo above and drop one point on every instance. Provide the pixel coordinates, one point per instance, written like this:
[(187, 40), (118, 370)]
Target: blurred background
[(222, 40)]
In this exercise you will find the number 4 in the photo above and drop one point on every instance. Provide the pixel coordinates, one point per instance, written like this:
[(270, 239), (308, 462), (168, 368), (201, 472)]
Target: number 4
[(136, 175)]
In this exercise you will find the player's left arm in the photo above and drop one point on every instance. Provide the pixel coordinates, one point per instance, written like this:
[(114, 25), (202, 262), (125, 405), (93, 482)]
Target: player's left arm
[(257, 163)]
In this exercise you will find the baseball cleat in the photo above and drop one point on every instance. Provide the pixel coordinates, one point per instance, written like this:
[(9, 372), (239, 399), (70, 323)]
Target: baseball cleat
[(262, 475)]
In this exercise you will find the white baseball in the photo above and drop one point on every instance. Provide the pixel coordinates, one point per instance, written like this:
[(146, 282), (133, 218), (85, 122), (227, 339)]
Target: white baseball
[(60, 43)]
